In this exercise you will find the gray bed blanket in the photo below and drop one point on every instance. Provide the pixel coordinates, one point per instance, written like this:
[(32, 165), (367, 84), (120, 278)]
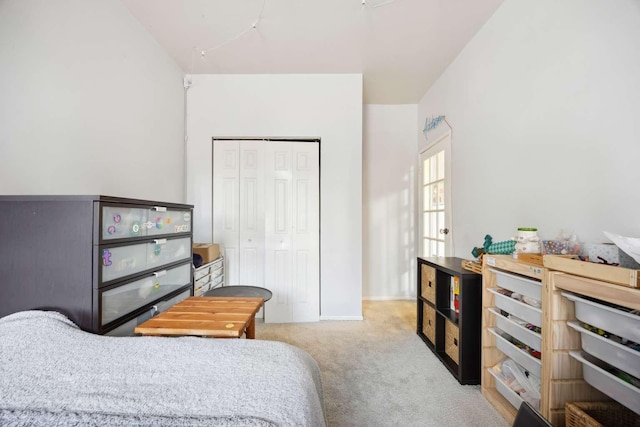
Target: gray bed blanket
[(53, 373)]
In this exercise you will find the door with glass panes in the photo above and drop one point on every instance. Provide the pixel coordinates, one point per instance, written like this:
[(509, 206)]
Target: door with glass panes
[(435, 200)]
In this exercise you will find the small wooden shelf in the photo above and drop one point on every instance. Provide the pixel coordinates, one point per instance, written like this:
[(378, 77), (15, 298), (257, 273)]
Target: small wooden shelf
[(455, 335)]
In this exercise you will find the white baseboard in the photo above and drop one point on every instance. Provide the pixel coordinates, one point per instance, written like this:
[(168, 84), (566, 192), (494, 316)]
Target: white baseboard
[(397, 298), (341, 318)]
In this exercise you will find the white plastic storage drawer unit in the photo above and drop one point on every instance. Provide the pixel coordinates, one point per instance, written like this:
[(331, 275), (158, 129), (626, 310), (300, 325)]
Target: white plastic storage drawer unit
[(519, 309), (595, 373), (521, 285), (610, 319), (616, 354), (524, 359), (519, 332)]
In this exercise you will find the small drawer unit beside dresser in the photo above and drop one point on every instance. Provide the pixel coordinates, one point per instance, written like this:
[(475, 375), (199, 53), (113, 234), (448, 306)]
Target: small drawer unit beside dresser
[(107, 263), (208, 276), (453, 335)]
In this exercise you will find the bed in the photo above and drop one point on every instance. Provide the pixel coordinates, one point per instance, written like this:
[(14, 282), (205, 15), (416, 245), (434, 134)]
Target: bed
[(53, 373)]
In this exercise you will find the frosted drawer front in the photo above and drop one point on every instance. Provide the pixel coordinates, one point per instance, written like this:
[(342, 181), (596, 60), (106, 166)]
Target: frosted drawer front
[(519, 309), (124, 299), (122, 261), (519, 332), (530, 288), (595, 374), (525, 360), (123, 222), (618, 355), (506, 391), (610, 319), (126, 329)]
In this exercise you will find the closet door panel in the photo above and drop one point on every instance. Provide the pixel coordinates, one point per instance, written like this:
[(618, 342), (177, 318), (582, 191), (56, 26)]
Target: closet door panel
[(226, 205), (251, 237), (306, 232), (278, 229)]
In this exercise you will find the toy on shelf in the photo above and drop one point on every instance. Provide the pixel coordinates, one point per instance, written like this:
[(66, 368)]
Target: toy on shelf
[(489, 247)]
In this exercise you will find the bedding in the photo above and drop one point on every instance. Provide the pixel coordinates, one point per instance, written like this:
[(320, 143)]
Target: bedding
[(53, 373)]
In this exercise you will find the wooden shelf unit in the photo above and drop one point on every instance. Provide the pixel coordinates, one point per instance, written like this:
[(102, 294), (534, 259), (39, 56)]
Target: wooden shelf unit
[(561, 377), (453, 337)]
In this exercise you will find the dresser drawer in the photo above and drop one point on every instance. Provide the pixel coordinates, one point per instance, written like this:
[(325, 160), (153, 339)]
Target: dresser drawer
[(121, 300), (126, 329), (121, 261), (451, 340), (119, 222), (428, 283)]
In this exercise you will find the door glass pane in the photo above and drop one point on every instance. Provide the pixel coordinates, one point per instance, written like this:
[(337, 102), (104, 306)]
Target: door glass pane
[(441, 223), (433, 225), (426, 175), (433, 175), (440, 168), (440, 193), (425, 248), (434, 247), (441, 248)]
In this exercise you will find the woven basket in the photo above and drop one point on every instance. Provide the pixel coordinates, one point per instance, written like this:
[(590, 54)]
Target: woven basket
[(599, 414)]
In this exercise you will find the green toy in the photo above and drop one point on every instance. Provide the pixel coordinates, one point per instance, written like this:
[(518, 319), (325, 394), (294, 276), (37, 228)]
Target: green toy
[(505, 247)]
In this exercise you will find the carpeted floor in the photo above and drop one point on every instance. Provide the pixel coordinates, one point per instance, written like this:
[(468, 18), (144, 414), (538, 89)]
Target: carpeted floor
[(378, 372)]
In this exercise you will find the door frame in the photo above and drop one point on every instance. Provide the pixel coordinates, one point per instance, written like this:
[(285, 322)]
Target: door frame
[(443, 143)]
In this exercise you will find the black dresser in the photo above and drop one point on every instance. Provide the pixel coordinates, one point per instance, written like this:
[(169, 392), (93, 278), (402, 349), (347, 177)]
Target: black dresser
[(108, 263)]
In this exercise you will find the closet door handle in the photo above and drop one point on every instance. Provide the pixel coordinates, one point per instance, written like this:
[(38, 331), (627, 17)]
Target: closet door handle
[(159, 241)]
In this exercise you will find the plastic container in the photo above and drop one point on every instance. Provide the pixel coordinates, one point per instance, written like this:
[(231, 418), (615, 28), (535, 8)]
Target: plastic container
[(618, 355), (517, 308), (610, 319), (519, 332), (530, 288), (521, 357), (506, 391), (595, 374)]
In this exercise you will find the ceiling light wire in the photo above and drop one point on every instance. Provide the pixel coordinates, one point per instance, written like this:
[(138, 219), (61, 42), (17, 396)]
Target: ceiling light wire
[(252, 27)]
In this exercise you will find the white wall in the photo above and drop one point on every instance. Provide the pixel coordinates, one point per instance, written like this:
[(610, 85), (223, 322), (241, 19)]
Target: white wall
[(89, 103), (389, 174), (544, 104), (324, 106)]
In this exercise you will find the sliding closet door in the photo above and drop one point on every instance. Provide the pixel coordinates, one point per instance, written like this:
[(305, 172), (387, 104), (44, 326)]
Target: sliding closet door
[(292, 231), (226, 206), (306, 232), (251, 213), (266, 219)]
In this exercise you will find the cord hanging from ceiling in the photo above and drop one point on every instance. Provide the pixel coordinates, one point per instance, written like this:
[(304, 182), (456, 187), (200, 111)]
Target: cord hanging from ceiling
[(254, 26)]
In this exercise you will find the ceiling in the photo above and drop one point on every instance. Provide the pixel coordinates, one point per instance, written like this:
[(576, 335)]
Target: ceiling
[(400, 46)]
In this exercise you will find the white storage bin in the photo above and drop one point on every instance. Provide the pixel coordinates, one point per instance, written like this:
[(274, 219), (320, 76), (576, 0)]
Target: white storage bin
[(524, 359), (519, 309), (530, 288), (618, 355), (612, 320), (595, 374), (519, 332), (511, 396)]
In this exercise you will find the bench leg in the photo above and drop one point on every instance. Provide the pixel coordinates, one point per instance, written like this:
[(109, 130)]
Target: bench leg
[(251, 328)]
